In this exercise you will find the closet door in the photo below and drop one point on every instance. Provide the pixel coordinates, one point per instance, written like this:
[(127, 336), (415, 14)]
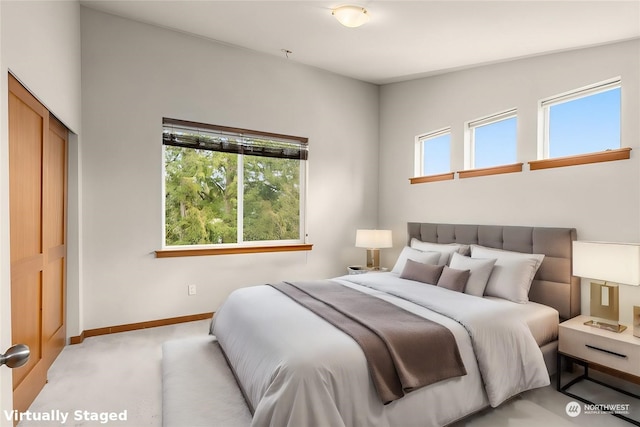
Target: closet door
[(54, 232), (37, 185)]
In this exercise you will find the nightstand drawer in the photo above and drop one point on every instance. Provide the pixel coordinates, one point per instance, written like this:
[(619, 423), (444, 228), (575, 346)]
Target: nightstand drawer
[(600, 349)]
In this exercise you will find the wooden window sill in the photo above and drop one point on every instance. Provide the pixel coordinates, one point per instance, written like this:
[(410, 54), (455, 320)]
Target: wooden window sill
[(183, 252), (495, 170), (432, 178), (581, 159)]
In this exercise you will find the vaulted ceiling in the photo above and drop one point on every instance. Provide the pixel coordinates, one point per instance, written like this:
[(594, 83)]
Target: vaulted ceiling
[(403, 39)]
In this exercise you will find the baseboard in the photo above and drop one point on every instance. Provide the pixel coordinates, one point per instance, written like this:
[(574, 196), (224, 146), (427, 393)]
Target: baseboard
[(141, 325), (77, 339)]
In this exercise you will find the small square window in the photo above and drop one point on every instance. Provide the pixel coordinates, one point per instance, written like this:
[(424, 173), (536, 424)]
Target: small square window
[(582, 121), (492, 141), (433, 153)]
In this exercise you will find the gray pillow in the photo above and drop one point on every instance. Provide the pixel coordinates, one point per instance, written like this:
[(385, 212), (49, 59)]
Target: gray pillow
[(455, 280), (480, 272), (426, 273)]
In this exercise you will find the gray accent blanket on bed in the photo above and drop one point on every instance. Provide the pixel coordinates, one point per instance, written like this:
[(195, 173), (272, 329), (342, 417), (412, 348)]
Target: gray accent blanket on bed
[(404, 351)]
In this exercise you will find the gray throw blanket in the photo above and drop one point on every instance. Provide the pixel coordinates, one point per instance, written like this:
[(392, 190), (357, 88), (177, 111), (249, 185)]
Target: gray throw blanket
[(404, 351)]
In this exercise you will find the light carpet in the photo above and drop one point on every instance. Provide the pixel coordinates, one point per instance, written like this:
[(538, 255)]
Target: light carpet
[(118, 372)]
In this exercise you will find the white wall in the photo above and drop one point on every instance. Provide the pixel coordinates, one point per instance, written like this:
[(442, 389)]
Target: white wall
[(40, 44), (134, 75), (602, 201)]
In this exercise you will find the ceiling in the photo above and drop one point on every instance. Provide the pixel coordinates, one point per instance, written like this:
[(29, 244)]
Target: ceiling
[(402, 40)]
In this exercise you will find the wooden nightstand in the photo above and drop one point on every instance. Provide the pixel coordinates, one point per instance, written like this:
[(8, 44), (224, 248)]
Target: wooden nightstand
[(587, 346)]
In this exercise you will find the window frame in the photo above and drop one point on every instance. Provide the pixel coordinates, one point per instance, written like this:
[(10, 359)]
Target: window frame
[(472, 125), (545, 104), (240, 246), (418, 170)]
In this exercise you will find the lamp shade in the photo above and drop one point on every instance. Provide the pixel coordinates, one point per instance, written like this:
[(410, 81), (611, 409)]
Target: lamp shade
[(612, 262), (351, 16), (373, 239)]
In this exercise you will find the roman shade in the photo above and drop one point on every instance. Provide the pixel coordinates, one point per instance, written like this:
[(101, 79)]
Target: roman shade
[(181, 133)]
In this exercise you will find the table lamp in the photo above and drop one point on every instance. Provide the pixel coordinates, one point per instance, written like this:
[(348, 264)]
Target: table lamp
[(373, 240), (613, 263)]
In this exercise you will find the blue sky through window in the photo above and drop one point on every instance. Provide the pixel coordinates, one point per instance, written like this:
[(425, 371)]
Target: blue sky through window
[(495, 143), (436, 154), (585, 125)]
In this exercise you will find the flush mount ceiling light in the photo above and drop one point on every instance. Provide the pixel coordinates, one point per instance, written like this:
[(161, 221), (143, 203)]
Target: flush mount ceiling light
[(351, 16)]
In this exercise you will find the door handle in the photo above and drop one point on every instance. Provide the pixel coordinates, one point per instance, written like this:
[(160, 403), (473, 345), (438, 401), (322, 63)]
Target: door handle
[(16, 356)]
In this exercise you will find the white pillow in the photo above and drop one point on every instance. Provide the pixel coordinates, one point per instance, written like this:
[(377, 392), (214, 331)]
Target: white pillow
[(415, 255), (445, 249), (480, 272), (512, 273)]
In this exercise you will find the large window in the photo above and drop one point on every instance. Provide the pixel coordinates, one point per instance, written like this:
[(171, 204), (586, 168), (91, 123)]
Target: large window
[(492, 140), (433, 153), (227, 186), (582, 121)]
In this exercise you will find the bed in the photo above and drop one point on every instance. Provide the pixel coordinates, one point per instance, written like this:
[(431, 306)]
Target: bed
[(295, 368)]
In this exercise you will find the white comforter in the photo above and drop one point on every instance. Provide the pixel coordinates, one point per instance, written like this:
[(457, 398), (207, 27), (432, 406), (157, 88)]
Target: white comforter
[(298, 370)]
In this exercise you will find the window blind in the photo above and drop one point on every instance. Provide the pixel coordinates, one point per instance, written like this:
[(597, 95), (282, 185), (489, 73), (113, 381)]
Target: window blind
[(493, 118), (434, 134), (580, 93), (201, 136)]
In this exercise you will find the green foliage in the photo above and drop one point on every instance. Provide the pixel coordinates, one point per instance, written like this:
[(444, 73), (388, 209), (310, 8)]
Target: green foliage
[(271, 199), (202, 190)]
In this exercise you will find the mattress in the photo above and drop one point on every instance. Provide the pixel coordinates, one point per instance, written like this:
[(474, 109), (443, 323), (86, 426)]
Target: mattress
[(542, 320)]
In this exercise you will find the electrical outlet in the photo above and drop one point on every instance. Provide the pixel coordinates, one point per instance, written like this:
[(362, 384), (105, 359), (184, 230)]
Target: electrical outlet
[(192, 289)]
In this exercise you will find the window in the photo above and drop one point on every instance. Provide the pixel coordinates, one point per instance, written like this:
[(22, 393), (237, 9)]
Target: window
[(433, 153), (583, 121), (227, 186), (492, 141)]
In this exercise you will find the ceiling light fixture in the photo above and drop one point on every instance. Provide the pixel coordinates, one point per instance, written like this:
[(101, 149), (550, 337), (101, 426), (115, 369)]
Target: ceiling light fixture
[(351, 16)]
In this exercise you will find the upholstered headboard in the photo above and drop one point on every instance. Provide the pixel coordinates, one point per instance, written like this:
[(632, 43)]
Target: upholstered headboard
[(553, 284)]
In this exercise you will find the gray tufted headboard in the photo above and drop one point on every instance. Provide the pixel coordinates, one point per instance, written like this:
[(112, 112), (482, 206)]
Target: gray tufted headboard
[(553, 284)]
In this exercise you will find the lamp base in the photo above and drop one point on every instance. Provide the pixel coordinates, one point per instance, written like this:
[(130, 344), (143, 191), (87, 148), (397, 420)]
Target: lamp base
[(636, 321), (613, 327), (373, 259)]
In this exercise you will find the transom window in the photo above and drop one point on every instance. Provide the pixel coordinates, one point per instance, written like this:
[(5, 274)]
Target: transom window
[(491, 140), (229, 186), (433, 153), (582, 121)]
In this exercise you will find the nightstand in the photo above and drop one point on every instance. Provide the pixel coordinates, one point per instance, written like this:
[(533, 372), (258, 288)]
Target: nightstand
[(586, 345), (361, 269)]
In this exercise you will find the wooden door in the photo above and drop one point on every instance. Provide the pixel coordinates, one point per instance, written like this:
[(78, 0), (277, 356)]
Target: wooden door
[(37, 199)]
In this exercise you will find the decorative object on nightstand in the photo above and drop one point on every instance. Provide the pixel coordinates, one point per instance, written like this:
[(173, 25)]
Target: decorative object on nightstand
[(373, 241), (357, 269), (615, 263), (361, 269)]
